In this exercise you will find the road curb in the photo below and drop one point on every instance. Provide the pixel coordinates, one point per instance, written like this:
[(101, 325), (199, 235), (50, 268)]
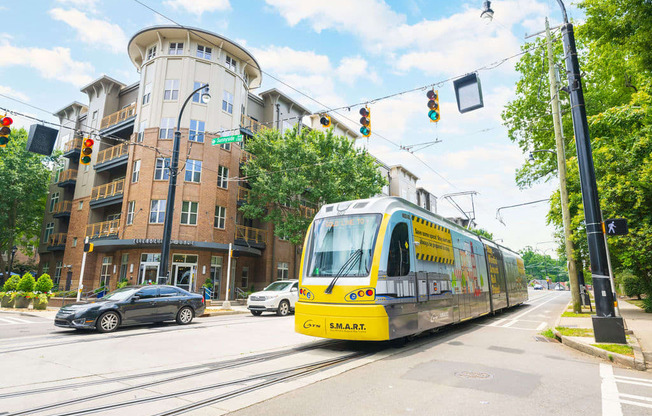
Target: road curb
[(226, 312)]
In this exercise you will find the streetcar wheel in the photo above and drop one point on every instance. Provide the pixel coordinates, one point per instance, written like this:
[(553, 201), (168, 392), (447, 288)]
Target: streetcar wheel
[(256, 313), (283, 308), (184, 317), (108, 322)]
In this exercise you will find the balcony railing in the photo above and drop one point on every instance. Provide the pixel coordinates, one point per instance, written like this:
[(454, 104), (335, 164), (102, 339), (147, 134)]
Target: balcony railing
[(251, 124), (250, 234), (57, 239), (112, 153), (118, 116), (108, 190), (307, 211), (68, 175), (243, 193), (71, 145), (62, 207), (245, 156), (103, 229)]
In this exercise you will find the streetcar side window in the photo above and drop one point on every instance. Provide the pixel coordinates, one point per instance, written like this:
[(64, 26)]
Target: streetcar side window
[(398, 259)]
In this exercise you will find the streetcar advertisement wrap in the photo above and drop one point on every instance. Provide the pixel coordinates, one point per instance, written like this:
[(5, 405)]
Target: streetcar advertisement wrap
[(435, 242)]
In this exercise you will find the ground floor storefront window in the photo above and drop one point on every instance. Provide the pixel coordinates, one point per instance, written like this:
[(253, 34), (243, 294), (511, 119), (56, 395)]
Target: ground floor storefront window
[(184, 271), (148, 272), (216, 275)]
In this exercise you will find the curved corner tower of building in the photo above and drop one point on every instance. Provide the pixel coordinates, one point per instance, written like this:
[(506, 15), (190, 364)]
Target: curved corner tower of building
[(118, 201)]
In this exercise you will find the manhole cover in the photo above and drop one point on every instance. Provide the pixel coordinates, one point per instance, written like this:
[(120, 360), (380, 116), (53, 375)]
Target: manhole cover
[(473, 375)]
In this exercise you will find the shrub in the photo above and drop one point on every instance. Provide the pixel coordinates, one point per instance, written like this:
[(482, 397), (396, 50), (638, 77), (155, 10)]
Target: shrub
[(208, 283), (11, 285), (122, 283), (26, 283), (647, 304), (633, 286), (44, 284)]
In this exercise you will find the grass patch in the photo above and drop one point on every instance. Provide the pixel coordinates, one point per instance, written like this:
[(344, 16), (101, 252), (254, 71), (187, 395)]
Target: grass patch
[(548, 333), (575, 332), (575, 315), (617, 348), (636, 302)]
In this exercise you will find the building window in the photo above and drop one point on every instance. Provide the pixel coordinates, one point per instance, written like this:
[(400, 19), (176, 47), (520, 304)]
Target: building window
[(147, 93), (167, 128), (222, 177), (131, 208), (141, 131), (197, 129), (171, 89), (204, 52), (189, 213), (135, 174), (80, 206), (196, 97), (123, 266), (57, 174), (282, 271), (46, 268), (246, 78), (220, 217), (151, 52), (176, 48), (193, 171), (162, 170), (245, 276), (57, 274), (49, 229), (227, 102), (74, 242), (157, 211), (95, 115), (105, 273), (231, 63), (226, 146), (54, 200)]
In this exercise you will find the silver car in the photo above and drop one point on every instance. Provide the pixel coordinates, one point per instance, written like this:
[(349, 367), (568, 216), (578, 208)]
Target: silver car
[(278, 297)]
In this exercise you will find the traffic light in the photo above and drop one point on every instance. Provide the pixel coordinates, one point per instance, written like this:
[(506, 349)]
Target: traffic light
[(88, 247), (86, 151), (325, 120), (433, 105), (365, 121), (5, 130)]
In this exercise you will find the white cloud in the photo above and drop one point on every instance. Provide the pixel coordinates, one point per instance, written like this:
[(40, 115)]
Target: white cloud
[(352, 68), (13, 93), (93, 31), (200, 6), (282, 59), (55, 63), (90, 5)]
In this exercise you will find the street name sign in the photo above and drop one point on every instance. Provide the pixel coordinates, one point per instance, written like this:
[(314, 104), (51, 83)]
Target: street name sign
[(615, 226), (227, 139)]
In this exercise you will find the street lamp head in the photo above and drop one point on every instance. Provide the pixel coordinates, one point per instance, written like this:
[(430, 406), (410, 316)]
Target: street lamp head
[(487, 13), (531, 157), (205, 98), (14, 249)]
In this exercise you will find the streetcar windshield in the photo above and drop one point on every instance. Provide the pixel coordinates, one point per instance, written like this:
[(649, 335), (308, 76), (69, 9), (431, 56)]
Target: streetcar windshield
[(343, 246)]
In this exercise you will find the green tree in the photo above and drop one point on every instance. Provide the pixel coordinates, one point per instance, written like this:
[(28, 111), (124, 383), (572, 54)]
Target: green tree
[(483, 233), (308, 168), (24, 178)]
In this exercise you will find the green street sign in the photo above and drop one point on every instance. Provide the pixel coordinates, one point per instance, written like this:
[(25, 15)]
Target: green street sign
[(227, 139)]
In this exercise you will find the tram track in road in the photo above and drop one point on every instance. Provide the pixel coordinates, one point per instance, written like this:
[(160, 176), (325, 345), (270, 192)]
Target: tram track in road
[(262, 380)]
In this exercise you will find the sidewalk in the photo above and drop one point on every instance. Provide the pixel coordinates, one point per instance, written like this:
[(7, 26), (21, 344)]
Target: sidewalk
[(577, 333)]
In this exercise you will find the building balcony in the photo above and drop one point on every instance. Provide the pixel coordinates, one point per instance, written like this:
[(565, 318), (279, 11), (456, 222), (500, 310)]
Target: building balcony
[(112, 157), (307, 212), (107, 194), (57, 242), (67, 178), (249, 126), (127, 114), (103, 230), (244, 157), (249, 236), (62, 209), (243, 195), (72, 148)]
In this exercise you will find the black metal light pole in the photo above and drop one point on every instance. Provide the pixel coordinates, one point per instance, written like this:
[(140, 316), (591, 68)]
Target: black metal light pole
[(14, 249), (163, 270)]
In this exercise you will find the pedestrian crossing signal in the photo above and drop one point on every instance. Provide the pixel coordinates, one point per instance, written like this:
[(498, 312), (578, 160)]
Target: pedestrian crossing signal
[(433, 105), (615, 226)]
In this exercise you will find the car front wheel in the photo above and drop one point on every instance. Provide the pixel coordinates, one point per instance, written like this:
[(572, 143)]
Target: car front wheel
[(283, 308), (184, 317), (108, 322)]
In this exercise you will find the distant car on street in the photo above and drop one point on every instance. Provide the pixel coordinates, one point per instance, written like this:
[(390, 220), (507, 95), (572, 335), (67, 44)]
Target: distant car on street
[(132, 305), (278, 297), (538, 287), (560, 287)]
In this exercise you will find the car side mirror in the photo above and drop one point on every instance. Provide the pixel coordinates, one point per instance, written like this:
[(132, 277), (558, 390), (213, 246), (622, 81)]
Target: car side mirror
[(294, 289), (135, 298)]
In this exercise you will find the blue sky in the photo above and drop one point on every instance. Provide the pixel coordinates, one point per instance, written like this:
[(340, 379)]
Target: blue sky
[(339, 52)]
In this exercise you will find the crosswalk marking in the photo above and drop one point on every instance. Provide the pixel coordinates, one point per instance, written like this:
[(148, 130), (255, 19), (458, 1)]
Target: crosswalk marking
[(610, 399), (636, 403), (541, 326), (633, 396), (10, 320), (646, 380)]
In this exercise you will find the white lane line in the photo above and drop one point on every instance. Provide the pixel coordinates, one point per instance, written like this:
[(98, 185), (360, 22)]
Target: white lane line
[(510, 323), (23, 321), (498, 322), (636, 404), (638, 383), (507, 327), (610, 400), (648, 380), (632, 396), (7, 321), (536, 307), (541, 326)]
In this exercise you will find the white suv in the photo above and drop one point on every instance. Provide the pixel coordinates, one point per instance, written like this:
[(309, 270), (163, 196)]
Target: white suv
[(278, 297)]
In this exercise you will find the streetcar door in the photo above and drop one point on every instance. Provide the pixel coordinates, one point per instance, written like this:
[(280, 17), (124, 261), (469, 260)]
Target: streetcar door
[(399, 260)]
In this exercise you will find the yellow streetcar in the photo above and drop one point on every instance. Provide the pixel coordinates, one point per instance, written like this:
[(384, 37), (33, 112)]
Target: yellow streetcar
[(383, 268)]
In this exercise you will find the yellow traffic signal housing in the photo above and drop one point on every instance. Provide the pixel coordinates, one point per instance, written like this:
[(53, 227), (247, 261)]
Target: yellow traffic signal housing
[(325, 120), (433, 105), (365, 121), (86, 151), (5, 130)]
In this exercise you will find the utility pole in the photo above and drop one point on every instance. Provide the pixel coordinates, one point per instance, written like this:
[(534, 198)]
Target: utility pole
[(561, 169)]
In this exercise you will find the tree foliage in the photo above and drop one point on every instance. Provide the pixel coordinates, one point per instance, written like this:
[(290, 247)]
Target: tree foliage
[(309, 168), (483, 233), (542, 266), (24, 178)]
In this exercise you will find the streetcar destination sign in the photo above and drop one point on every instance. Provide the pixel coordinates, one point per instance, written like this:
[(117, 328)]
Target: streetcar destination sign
[(227, 139)]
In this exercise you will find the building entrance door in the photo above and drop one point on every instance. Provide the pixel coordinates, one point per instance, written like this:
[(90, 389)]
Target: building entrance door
[(184, 274)]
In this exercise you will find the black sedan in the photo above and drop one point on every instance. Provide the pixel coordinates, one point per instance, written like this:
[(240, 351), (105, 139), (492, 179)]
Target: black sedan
[(132, 305)]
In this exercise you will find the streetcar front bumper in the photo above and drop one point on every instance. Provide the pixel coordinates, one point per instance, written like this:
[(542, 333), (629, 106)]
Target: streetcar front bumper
[(352, 322)]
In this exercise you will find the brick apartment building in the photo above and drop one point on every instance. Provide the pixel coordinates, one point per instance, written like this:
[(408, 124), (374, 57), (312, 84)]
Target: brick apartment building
[(118, 200)]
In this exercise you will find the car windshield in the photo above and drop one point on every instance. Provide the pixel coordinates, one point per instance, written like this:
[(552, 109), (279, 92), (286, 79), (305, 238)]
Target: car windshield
[(277, 286), (121, 294), (343, 245)]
